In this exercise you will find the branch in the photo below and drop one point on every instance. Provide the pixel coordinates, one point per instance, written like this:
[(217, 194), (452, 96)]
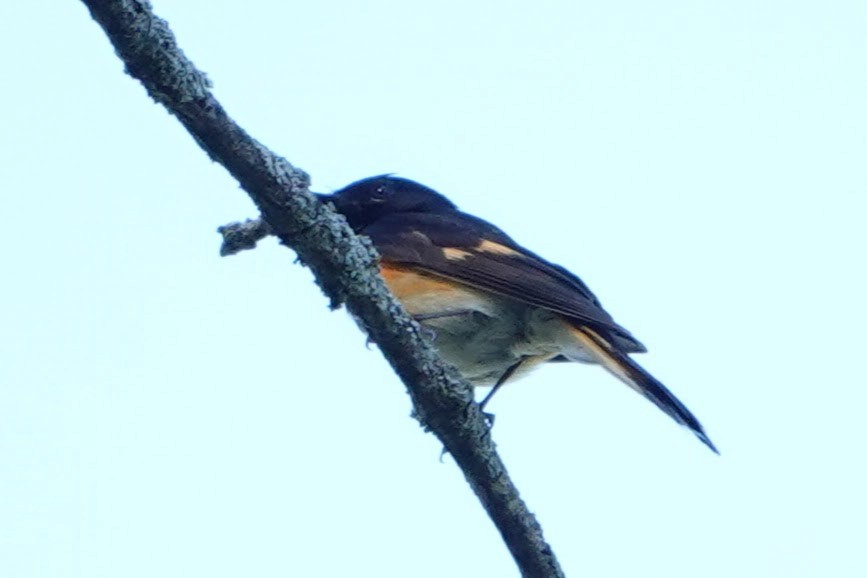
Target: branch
[(345, 266), (239, 237)]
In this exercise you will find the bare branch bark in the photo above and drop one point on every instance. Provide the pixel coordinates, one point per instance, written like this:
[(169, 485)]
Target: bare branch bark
[(344, 266)]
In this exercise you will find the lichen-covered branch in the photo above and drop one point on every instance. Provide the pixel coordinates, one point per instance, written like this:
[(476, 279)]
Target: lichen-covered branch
[(239, 237), (344, 265)]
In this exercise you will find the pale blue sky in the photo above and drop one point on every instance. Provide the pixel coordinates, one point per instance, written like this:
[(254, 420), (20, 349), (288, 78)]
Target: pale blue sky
[(165, 412)]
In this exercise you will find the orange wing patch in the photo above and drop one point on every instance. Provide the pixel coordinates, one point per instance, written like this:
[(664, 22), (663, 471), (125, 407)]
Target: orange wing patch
[(454, 254), (487, 246)]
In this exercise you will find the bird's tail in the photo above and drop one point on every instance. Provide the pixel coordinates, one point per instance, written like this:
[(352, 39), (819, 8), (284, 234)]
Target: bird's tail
[(633, 375)]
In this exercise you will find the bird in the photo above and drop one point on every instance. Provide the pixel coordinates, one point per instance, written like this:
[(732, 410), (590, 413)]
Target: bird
[(495, 309)]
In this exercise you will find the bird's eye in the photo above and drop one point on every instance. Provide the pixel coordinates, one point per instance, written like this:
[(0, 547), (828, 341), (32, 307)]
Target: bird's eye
[(379, 194)]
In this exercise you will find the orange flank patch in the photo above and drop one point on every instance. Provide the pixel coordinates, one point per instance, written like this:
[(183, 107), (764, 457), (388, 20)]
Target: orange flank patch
[(424, 294)]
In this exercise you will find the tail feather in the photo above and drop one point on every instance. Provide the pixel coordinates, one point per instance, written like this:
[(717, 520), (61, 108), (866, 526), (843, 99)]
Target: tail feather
[(633, 375)]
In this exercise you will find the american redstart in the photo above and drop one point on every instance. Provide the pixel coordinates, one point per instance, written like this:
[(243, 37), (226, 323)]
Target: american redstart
[(496, 310)]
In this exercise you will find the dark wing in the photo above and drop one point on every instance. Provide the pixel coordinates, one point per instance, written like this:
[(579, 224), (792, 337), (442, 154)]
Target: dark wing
[(467, 249)]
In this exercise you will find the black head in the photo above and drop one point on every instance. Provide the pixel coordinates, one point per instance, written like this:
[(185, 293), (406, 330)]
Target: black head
[(367, 200)]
